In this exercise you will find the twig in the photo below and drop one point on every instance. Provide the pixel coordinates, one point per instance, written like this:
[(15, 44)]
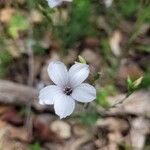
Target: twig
[(30, 80), (105, 111), (119, 102), (101, 110), (12, 93)]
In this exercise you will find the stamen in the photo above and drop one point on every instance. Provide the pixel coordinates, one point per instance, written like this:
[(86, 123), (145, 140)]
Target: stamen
[(67, 90)]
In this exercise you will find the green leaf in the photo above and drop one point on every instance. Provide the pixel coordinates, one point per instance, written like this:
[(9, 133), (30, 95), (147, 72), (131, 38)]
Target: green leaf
[(82, 60), (129, 83), (137, 82), (133, 85)]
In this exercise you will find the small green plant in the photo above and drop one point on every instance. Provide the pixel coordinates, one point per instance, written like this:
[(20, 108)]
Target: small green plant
[(133, 85)]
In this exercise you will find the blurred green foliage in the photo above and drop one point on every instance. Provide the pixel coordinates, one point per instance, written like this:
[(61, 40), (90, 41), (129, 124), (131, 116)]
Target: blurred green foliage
[(146, 80), (89, 118), (106, 52), (143, 16), (35, 146), (16, 24), (78, 25), (144, 48), (124, 146), (5, 60), (101, 99), (127, 7), (5, 57), (102, 95), (38, 49)]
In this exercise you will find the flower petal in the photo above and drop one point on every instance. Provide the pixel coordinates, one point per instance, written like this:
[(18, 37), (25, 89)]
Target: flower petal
[(78, 73), (47, 94), (68, 0), (58, 73), (64, 105), (84, 93), (53, 3)]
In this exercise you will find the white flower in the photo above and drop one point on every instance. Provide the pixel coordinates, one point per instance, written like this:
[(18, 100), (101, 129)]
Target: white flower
[(54, 3), (68, 88)]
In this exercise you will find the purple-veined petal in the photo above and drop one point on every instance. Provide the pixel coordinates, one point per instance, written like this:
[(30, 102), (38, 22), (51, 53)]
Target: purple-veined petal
[(47, 94), (63, 105), (78, 73), (53, 3), (58, 73), (84, 93)]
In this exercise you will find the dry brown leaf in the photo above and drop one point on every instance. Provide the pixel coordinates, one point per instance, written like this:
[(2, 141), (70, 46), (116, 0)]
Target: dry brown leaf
[(138, 104), (6, 14), (91, 42), (4, 109), (43, 133), (79, 130), (8, 144), (13, 49), (12, 117), (3, 124), (113, 124), (114, 139), (71, 57), (35, 16), (115, 41), (9, 136), (139, 128), (61, 128), (90, 56), (18, 133)]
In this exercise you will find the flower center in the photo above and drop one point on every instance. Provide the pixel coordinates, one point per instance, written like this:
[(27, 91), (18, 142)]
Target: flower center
[(67, 90)]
